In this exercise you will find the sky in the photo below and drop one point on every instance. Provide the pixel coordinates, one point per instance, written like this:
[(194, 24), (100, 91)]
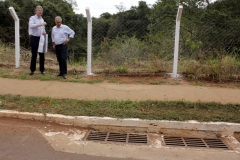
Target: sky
[(97, 7)]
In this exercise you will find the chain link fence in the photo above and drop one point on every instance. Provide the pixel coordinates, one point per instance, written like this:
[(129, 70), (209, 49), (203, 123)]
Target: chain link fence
[(139, 41), (148, 45), (201, 39), (129, 46)]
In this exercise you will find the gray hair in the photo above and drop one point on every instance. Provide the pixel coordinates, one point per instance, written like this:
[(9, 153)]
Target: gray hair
[(58, 18), (38, 7)]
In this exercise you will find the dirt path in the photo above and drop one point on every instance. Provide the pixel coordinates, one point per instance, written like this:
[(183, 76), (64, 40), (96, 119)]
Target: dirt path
[(113, 91)]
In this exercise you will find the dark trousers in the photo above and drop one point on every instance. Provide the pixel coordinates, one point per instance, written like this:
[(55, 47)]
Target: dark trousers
[(61, 52), (34, 42)]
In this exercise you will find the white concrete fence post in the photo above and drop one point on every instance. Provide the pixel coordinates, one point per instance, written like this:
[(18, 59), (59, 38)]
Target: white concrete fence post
[(17, 37), (89, 47), (176, 47)]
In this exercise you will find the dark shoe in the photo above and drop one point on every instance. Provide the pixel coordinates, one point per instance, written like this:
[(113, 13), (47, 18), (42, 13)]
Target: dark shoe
[(31, 73), (64, 76), (42, 73), (59, 75)]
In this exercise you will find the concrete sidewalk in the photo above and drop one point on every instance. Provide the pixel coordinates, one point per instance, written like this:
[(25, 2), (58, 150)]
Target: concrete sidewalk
[(111, 91)]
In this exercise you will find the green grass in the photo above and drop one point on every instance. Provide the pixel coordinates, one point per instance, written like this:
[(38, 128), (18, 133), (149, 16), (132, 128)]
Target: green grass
[(121, 69), (149, 110), (238, 85), (49, 76), (157, 82), (175, 83), (199, 84)]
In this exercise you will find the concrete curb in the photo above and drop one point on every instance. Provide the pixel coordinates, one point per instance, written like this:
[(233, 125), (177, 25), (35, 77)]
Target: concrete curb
[(126, 125)]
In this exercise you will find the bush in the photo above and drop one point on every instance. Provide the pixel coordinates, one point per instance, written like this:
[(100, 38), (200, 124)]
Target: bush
[(122, 50)]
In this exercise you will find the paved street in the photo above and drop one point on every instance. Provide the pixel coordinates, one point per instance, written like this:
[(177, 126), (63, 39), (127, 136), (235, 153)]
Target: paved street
[(21, 140), (28, 140)]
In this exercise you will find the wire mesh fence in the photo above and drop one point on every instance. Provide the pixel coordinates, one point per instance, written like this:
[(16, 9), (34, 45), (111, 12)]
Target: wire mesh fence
[(209, 38), (147, 43), (142, 39), (128, 42)]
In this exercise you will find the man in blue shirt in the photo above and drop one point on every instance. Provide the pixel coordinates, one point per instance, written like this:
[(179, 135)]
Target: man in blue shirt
[(61, 35), (36, 28)]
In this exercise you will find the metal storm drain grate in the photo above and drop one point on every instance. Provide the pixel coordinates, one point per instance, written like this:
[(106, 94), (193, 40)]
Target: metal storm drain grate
[(117, 137), (97, 136), (134, 138), (194, 142)]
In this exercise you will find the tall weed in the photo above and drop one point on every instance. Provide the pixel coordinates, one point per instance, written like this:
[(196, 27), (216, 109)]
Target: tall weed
[(122, 50), (217, 70)]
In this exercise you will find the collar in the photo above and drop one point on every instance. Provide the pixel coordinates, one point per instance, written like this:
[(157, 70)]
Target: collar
[(59, 26), (37, 16)]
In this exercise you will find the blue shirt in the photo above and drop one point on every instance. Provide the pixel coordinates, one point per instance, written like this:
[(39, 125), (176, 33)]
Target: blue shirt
[(61, 34), (32, 26)]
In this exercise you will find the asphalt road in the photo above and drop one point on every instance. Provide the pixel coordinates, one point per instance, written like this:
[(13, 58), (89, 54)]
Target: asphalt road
[(21, 140)]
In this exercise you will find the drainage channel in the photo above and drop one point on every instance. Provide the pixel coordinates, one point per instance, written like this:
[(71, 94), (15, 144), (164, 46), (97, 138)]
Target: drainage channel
[(167, 140)]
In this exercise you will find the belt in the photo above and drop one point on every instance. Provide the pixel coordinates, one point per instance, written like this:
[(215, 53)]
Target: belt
[(59, 44), (35, 36)]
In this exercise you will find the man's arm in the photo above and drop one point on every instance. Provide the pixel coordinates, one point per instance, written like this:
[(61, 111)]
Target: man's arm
[(53, 39), (32, 23), (70, 33)]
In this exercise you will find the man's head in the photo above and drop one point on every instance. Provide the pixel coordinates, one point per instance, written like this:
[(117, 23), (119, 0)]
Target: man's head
[(39, 11), (58, 21)]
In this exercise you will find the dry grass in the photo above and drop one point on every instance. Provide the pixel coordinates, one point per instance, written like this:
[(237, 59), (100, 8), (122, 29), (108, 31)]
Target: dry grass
[(223, 72)]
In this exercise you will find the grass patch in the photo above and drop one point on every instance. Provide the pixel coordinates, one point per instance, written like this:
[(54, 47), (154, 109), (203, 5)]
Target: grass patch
[(157, 82), (238, 85), (199, 84), (49, 76), (149, 110), (121, 69), (175, 83)]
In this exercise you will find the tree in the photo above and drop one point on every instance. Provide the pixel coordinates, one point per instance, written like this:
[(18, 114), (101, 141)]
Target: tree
[(7, 22), (78, 47), (120, 7), (222, 21), (106, 15), (133, 22), (51, 8), (162, 16)]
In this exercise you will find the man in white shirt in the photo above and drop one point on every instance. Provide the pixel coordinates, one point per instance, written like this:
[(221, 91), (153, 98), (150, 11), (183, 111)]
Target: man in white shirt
[(61, 35), (36, 28)]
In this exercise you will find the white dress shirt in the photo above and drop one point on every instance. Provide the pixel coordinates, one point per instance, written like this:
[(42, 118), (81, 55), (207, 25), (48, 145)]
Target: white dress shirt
[(61, 34), (32, 26)]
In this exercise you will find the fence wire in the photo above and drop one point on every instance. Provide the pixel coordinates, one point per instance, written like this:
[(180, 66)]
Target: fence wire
[(130, 44), (144, 41), (149, 45)]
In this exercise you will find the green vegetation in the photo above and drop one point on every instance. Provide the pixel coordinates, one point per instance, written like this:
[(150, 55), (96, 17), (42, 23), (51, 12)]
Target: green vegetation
[(141, 39), (207, 32), (150, 110), (49, 76), (121, 69), (217, 70), (51, 8)]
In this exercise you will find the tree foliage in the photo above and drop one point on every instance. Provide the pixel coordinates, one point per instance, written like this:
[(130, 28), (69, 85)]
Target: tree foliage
[(51, 9), (207, 29)]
